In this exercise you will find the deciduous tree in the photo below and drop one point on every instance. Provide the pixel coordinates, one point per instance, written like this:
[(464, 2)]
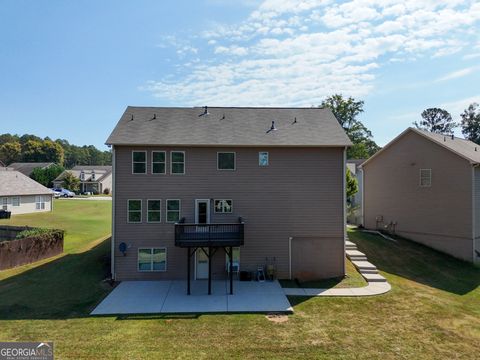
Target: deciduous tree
[(471, 123)]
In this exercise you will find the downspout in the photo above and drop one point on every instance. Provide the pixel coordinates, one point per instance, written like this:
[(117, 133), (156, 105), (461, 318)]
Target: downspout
[(363, 196), (474, 203), (344, 208), (113, 215)]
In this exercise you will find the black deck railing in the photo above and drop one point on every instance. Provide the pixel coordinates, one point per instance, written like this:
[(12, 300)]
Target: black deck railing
[(204, 235)]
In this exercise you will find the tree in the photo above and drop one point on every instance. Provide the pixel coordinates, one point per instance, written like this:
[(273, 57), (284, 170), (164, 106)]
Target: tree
[(10, 152), (52, 152), (352, 185), (436, 120), (346, 111), (47, 175), (471, 123), (71, 182), (32, 151)]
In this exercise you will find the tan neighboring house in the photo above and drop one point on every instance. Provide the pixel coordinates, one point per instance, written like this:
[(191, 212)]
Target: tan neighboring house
[(21, 195), (93, 179), (426, 187), (27, 168), (355, 215), (201, 193)]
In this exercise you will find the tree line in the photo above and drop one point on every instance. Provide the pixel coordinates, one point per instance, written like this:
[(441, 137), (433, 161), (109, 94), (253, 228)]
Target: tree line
[(31, 148)]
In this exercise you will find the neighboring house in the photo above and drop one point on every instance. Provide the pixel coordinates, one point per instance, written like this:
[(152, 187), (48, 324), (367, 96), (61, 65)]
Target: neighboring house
[(21, 195), (426, 187), (355, 215), (268, 183), (28, 167), (93, 179)]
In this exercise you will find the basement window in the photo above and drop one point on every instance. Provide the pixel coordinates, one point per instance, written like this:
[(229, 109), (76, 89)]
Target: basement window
[(425, 177)]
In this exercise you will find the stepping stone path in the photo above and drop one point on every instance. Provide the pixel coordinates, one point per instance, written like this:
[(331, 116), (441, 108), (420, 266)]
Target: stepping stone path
[(377, 284)]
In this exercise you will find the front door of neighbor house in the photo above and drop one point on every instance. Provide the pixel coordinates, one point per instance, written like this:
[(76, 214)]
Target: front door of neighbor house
[(202, 216)]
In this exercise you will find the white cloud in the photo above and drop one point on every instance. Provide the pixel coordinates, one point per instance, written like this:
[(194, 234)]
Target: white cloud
[(456, 74), (458, 106), (296, 52)]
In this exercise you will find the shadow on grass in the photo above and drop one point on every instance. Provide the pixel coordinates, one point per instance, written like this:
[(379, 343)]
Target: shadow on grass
[(159, 317), (67, 287), (418, 263)]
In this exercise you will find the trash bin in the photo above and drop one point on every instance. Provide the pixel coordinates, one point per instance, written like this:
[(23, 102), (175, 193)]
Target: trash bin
[(5, 214)]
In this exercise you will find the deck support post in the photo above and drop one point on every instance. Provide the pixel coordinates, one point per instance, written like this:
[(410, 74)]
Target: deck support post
[(209, 271), (188, 271), (231, 270)]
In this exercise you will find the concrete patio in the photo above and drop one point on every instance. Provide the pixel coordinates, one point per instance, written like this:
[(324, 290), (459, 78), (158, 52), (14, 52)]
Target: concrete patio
[(169, 297)]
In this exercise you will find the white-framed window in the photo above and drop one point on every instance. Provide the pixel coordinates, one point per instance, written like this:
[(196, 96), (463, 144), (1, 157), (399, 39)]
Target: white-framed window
[(5, 203), (235, 260), (425, 177), (173, 210), (16, 201), (154, 211), (40, 202), (223, 206), (226, 160), (82, 175), (134, 210), (152, 259), (139, 162), (93, 175), (177, 162), (263, 158), (159, 162)]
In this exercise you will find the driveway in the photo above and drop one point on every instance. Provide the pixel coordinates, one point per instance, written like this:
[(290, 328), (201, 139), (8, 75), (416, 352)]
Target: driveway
[(143, 297)]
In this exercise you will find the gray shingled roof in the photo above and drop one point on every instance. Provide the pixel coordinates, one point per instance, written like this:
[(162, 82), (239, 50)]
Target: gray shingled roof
[(27, 168), (101, 172), (14, 183), (228, 127)]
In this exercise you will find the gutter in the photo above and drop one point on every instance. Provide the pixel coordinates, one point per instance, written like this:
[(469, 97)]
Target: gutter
[(112, 270), (344, 208)]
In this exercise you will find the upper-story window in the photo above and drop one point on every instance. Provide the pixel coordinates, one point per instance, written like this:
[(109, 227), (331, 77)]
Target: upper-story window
[(226, 161), (153, 211), (263, 158), (223, 206), (425, 177), (139, 162), (93, 175), (177, 162), (158, 162), (173, 210), (134, 211), (82, 175)]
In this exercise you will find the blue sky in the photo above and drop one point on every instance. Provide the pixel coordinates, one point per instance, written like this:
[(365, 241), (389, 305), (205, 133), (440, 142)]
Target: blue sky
[(69, 68)]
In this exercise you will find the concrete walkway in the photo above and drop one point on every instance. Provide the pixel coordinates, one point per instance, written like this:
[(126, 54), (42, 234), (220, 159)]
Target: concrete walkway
[(169, 297), (377, 284)]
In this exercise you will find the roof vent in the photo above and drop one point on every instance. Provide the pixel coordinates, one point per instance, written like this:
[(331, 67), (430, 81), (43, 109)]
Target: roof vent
[(205, 111), (453, 137), (154, 117), (444, 138), (131, 118), (294, 121), (272, 128)]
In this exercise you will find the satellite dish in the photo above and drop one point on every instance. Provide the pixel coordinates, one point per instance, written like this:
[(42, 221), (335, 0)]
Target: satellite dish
[(123, 248)]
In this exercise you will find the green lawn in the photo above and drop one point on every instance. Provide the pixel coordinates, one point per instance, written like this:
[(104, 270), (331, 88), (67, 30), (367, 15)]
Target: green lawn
[(432, 312), (350, 280)]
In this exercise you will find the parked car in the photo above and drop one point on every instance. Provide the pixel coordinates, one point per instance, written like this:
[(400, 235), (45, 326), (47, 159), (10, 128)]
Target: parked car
[(64, 192), (56, 193)]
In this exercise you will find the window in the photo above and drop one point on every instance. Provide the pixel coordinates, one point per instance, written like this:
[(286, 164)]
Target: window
[(139, 162), (177, 162), (226, 161), (39, 202), (16, 201), (173, 210), (153, 211), (152, 259), (93, 175), (158, 162), (5, 203), (263, 158), (425, 177), (223, 206), (82, 176), (235, 260), (134, 211)]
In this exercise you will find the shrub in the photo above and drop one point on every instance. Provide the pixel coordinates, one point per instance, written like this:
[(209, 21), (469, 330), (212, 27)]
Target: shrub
[(35, 232), (106, 191)]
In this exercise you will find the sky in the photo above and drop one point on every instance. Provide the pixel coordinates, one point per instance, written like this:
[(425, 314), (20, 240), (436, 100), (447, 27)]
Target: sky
[(68, 69)]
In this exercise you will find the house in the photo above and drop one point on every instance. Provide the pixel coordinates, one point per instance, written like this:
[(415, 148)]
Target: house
[(93, 179), (261, 189), (355, 215), (27, 168), (21, 195), (426, 187)]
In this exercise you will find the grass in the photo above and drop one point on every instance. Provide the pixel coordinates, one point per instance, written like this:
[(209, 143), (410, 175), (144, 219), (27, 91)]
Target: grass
[(352, 279), (432, 312)]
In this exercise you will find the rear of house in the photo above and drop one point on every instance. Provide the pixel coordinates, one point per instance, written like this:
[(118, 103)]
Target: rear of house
[(191, 183), (21, 195), (426, 187)]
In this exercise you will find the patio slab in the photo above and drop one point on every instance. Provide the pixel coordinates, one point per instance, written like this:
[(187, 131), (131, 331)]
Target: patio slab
[(169, 297)]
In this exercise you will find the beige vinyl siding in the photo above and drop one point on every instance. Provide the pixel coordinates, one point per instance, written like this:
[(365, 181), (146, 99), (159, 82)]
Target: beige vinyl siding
[(477, 213), (27, 204), (440, 215), (298, 195)]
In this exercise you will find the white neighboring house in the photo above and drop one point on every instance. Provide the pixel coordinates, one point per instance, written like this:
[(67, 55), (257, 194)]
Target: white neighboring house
[(22, 195), (93, 178), (356, 215)]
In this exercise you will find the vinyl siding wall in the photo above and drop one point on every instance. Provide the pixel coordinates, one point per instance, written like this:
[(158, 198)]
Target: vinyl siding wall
[(299, 195), (477, 214), (439, 216), (27, 204)]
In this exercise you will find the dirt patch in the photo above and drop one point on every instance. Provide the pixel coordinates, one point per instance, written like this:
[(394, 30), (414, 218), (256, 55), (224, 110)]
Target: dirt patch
[(277, 318)]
